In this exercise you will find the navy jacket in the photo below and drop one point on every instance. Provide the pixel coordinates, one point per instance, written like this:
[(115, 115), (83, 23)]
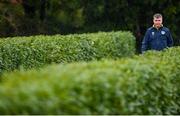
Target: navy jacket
[(157, 39)]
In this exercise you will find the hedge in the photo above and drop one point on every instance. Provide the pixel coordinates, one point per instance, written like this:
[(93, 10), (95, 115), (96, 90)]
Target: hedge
[(36, 51), (145, 84)]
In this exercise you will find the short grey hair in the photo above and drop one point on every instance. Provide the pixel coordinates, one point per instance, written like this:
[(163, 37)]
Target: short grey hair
[(157, 15)]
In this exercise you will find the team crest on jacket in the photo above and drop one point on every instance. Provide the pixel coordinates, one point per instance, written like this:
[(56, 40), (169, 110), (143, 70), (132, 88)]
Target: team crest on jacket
[(152, 33), (163, 32)]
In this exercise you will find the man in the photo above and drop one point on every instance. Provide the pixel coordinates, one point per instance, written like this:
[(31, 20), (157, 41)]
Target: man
[(157, 37)]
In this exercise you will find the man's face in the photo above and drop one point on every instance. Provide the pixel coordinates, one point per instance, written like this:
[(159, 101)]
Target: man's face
[(157, 22)]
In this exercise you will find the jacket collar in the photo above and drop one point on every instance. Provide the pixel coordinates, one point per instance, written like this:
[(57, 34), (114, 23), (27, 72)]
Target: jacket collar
[(158, 28)]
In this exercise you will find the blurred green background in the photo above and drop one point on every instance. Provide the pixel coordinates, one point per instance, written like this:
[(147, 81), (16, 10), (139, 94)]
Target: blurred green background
[(34, 17)]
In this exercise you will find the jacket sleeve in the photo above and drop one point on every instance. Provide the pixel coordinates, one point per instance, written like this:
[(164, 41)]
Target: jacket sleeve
[(169, 40), (145, 42)]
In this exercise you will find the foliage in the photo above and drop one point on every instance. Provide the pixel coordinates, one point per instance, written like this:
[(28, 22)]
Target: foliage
[(146, 84), (79, 16), (36, 51)]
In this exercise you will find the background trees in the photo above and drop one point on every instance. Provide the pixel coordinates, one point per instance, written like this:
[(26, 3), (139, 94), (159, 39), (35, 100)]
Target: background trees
[(30, 17)]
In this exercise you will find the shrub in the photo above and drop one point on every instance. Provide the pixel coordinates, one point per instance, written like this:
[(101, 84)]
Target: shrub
[(147, 84), (36, 51)]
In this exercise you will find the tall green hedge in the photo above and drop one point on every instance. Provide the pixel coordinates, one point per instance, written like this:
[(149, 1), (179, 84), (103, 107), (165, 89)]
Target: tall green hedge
[(146, 84), (36, 51)]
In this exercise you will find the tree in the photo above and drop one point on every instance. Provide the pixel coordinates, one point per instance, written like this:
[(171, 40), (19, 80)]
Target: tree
[(79, 16)]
